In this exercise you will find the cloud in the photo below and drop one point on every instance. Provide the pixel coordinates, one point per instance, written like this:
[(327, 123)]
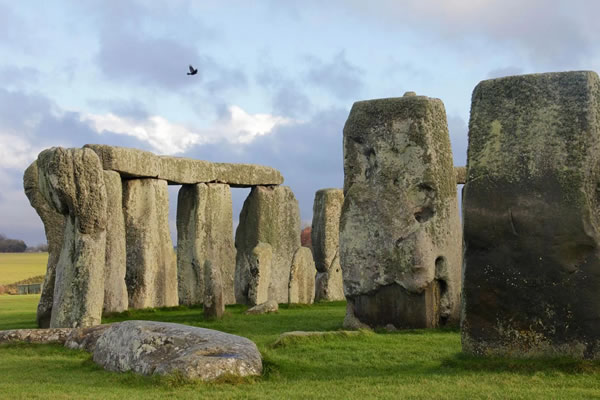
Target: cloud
[(286, 97), (338, 77), (14, 76), (236, 126)]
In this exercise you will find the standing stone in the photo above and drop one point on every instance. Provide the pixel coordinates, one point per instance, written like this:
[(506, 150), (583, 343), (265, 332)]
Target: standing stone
[(327, 209), (253, 283), (531, 220), (302, 277), (204, 232), (400, 235), (72, 181), (270, 215), (115, 290), (151, 275), (214, 305), (54, 226)]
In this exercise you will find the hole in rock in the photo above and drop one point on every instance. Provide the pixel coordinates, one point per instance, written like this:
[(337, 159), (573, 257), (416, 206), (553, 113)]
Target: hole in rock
[(424, 214)]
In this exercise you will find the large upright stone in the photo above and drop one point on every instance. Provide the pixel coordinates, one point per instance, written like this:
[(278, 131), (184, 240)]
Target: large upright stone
[(115, 290), (214, 304), (54, 226), (400, 236), (327, 209), (270, 215), (151, 275), (531, 219), (72, 181), (204, 232), (302, 277)]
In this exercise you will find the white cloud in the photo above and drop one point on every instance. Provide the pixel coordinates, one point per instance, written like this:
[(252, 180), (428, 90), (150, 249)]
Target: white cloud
[(16, 152), (168, 137)]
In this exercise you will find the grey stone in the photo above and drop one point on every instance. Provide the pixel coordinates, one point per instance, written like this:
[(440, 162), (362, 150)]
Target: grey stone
[(115, 290), (269, 215), (38, 336), (302, 277), (85, 338), (531, 221), (72, 181), (253, 282), (327, 209), (159, 348), (269, 306), (461, 175), (176, 170), (204, 232), (293, 336), (54, 226), (400, 234), (214, 305), (151, 275)]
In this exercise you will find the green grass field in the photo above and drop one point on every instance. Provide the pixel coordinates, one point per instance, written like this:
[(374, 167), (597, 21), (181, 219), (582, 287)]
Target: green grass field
[(410, 364), (16, 267)]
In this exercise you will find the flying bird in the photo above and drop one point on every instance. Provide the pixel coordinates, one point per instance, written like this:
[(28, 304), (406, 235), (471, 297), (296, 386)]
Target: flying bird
[(192, 71)]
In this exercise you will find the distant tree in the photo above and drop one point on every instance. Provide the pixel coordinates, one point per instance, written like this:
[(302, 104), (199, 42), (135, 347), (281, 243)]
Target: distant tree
[(305, 237), (11, 245)]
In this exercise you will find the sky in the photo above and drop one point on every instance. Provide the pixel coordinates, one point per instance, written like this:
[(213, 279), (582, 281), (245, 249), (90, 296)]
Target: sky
[(275, 83)]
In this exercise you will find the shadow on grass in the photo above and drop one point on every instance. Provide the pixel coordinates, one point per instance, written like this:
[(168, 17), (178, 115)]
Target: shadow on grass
[(467, 363)]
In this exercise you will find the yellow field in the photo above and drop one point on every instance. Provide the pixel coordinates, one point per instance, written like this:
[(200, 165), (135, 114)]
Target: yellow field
[(16, 267)]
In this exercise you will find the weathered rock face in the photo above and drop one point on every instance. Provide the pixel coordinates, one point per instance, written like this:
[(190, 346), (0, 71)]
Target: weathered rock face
[(151, 275), (400, 236), (531, 217), (54, 226), (143, 164), (270, 215), (254, 281), (269, 306), (159, 348), (214, 305), (327, 209), (204, 232), (302, 277), (72, 181), (38, 336), (115, 290)]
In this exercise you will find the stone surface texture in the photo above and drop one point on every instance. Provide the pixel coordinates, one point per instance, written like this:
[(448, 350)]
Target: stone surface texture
[(327, 210), (159, 348), (302, 277), (270, 215), (151, 275), (204, 232), (461, 175), (54, 226), (532, 217), (115, 290), (72, 181), (268, 306), (38, 336), (214, 304), (176, 170), (400, 234)]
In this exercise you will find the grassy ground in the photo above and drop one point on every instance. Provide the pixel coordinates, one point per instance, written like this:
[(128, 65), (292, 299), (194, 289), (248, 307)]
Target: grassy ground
[(410, 364), (16, 267)]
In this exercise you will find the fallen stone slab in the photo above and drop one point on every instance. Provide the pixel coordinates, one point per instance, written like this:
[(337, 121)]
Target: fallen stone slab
[(136, 163), (292, 337), (159, 348), (269, 306), (38, 336)]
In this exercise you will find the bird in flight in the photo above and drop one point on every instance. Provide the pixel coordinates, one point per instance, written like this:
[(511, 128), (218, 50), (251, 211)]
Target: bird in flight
[(192, 71)]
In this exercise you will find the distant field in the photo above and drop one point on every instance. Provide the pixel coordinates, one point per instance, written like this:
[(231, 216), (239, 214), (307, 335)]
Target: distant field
[(16, 267)]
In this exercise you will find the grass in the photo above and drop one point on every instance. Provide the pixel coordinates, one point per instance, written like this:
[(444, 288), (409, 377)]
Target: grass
[(407, 364), (16, 267)]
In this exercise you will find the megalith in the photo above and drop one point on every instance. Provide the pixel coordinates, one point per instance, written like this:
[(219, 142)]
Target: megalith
[(151, 275), (71, 180), (214, 303), (400, 234), (252, 284), (204, 232), (302, 277), (54, 226), (269, 215), (115, 290), (327, 209), (531, 217)]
